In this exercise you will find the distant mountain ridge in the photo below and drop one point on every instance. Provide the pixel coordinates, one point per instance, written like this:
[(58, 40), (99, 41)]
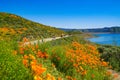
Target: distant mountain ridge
[(13, 25), (114, 29)]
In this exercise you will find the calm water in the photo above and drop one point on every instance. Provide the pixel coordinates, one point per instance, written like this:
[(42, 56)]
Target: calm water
[(106, 38)]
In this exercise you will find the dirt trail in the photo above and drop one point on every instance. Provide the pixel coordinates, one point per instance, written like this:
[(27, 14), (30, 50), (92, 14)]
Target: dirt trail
[(116, 75), (44, 40)]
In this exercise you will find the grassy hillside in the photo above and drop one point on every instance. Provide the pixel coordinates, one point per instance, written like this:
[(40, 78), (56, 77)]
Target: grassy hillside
[(13, 25)]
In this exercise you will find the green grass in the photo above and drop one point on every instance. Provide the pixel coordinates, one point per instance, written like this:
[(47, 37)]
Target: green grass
[(11, 67)]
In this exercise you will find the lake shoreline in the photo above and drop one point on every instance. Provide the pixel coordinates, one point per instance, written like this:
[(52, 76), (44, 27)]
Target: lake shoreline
[(99, 33), (102, 33), (106, 39)]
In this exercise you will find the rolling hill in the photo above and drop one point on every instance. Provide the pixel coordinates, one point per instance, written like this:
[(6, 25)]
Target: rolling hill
[(13, 26)]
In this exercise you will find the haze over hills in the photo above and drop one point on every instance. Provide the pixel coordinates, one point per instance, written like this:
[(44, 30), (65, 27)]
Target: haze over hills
[(12, 25), (114, 29)]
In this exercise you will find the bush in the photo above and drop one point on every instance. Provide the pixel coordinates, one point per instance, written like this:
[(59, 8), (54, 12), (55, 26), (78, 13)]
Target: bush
[(111, 54)]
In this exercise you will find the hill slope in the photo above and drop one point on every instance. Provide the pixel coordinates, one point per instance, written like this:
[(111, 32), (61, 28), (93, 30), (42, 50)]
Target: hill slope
[(13, 25)]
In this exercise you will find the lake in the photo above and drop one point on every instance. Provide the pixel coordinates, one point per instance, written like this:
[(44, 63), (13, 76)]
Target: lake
[(106, 38)]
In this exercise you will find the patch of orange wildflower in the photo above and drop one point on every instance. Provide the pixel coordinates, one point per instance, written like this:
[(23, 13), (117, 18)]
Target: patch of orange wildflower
[(41, 54), (70, 78), (115, 75), (92, 75), (30, 60), (50, 77), (37, 78), (83, 54), (25, 62), (11, 31), (14, 52), (108, 73), (59, 78)]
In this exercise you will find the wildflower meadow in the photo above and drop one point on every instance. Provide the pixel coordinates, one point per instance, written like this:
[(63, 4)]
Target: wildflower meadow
[(50, 61)]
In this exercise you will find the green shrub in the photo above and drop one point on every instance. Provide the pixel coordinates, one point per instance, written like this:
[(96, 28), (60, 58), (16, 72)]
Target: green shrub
[(111, 54)]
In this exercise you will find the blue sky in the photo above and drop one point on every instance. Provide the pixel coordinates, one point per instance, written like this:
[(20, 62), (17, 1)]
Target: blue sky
[(67, 13)]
